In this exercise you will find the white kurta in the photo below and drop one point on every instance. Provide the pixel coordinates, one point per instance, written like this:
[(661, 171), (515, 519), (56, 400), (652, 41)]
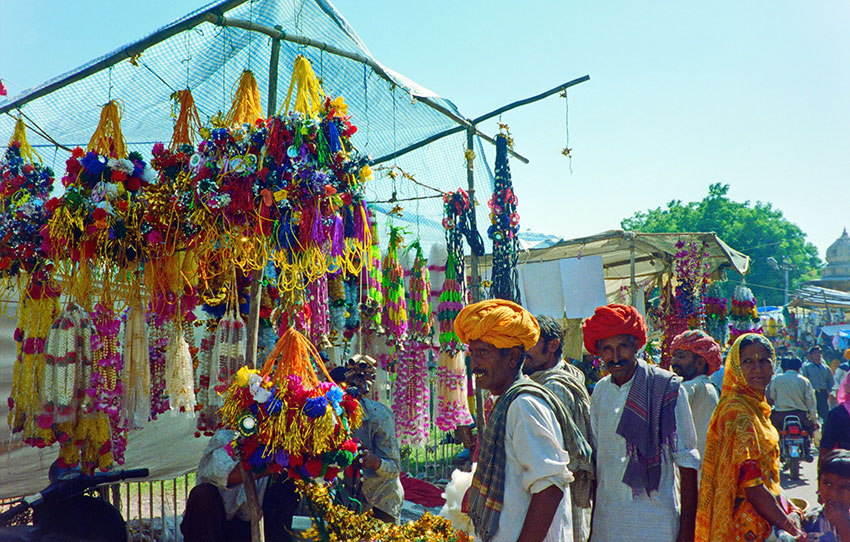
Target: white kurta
[(535, 460), (703, 397), (618, 514)]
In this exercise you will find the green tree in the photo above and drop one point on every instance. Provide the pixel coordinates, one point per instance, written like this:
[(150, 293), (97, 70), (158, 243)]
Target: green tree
[(758, 230)]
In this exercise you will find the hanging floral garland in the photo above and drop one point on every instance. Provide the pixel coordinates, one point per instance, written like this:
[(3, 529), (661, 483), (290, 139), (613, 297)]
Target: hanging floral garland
[(744, 317), (452, 406), (716, 311), (372, 278), (411, 394), (136, 402), (394, 315), (504, 228), (36, 314), (684, 309)]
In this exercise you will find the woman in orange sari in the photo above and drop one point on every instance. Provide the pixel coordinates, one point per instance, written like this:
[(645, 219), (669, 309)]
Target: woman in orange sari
[(739, 489)]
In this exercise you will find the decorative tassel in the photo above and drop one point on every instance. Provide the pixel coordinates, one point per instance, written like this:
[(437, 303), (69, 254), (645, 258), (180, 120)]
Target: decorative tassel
[(246, 108), (179, 384), (309, 95), (107, 139), (20, 135), (136, 403), (188, 123)]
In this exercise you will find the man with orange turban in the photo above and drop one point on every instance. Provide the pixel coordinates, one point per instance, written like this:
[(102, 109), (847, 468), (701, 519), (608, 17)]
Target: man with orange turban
[(696, 355), (518, 489), (642, 426)]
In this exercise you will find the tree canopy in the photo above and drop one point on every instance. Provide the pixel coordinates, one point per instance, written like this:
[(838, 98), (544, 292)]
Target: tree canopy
[(758, 230)]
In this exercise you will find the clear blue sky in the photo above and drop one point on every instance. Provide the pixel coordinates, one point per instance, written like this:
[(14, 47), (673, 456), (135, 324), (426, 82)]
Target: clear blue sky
[(682, 94)]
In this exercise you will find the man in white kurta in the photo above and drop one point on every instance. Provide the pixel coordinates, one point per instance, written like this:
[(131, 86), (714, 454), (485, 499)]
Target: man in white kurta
[(696, 355), (620, 515), (535, 460), (703, 398), (647, 461), (520, 489)]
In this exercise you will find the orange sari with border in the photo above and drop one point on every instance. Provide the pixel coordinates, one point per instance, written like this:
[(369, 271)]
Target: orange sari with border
[(740, 437)]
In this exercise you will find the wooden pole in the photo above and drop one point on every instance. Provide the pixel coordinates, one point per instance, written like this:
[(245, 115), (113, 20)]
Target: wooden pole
[(253, 325)]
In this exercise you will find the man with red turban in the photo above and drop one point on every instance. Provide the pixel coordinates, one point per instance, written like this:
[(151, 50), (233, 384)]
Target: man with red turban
[(519, 487), (642, 426), (696, 355)]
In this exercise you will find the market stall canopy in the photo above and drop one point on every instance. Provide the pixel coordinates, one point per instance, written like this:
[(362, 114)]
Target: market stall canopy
[(653, 255), (817, 297), (207, 50)]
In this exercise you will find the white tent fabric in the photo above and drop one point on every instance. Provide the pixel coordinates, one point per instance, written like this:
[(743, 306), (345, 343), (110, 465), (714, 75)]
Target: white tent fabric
[(653, 254)]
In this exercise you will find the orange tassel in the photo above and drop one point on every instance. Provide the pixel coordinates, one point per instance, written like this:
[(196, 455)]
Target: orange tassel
[(107, 139), (188, 123), (292, 354)]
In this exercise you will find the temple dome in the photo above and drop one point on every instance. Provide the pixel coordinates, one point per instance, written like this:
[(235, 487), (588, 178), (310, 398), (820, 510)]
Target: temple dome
[(838, 258)]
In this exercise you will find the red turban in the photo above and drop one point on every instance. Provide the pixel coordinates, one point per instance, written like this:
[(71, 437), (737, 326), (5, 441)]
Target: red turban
[(502, 323), (700, 343), (610, 321)]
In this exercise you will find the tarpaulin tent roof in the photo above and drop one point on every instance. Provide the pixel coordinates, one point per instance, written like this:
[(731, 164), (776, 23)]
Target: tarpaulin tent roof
[(816, 297), (653, 255), (196, 52)]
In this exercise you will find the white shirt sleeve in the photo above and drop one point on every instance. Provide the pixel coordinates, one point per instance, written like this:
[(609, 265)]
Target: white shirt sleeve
[(685, 453), (533, 432)]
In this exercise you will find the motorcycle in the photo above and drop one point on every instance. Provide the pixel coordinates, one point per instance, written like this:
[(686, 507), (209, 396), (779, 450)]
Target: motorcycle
[(62, 513), (793, 445)]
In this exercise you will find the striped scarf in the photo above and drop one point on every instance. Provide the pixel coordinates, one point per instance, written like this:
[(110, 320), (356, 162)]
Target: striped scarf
[(648, 424), (488, 484)]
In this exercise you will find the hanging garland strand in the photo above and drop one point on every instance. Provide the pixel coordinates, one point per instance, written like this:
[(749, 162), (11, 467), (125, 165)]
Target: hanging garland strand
[(504, 228)]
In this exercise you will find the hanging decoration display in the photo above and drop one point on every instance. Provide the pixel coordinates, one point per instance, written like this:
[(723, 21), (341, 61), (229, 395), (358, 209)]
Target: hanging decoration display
[(716, 311), (313, 184), (411, 394), (286, 419), (372, 278), (394, 316), (683, 301), (25, 187), (452, 405), (136, 402), (504, 228), (743, 317)]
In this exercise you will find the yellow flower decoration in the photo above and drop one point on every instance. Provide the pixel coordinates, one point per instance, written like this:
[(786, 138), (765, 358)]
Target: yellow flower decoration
[(339, 104)]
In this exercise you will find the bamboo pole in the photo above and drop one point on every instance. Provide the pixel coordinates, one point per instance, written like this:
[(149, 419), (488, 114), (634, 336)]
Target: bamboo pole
[(253, 325)]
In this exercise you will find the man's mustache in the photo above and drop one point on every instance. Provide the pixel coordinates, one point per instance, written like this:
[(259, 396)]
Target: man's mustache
[(617, 363)]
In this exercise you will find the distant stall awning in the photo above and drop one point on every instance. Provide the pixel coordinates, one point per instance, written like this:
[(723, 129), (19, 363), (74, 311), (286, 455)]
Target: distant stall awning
[(654, 254), (817, 297)]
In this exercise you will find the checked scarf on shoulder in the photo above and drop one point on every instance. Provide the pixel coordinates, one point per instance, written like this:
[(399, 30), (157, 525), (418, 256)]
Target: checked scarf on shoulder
[(488, 484), (648, 424), (581, 460)]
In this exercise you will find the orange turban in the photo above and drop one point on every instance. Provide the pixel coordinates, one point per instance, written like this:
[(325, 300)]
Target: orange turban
[(610, 321), (700, 343), (502, 323)]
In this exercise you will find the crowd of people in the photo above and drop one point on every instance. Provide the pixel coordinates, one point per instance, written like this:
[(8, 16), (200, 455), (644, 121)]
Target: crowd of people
[(650, 455), (674, 456)]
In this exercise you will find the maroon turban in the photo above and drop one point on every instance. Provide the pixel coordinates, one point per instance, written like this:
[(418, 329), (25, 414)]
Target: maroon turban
[(610, 321), (700, 343)]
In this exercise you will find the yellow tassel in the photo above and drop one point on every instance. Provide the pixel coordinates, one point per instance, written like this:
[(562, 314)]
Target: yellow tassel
[(20, 135), (188, 123), (309, 96), (246, 106), (107, 139)]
